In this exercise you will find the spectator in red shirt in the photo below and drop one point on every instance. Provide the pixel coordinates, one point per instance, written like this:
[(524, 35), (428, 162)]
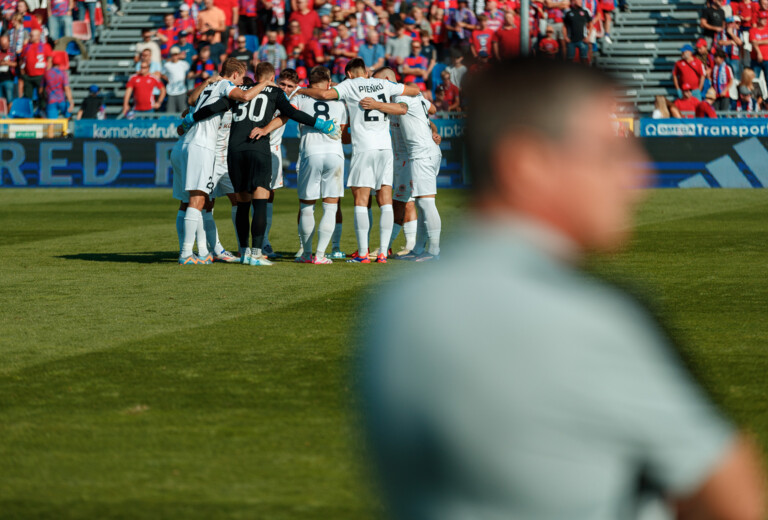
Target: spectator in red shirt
[(549, 47), (506, 41), (689, 70), (35, 59), (705, 109), (294, 41), (313, 52), (494, 16), (307, 18), (30, 22), (450, 92), (248, 20), (687, 104), (231, 16), (141, 88), (168, 36), (58, 95), (415, 67), (758, 37), (481, 38), (185, 23), (7, 69), (722, 79)]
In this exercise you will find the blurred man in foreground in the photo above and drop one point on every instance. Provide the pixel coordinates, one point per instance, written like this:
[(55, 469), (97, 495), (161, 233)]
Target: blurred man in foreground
[(512, 384)]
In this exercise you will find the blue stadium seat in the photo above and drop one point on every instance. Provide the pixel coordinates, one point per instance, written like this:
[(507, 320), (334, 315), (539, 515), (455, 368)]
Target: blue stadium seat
[(436, 71), (21, 108), (73, 49), (251, 42)]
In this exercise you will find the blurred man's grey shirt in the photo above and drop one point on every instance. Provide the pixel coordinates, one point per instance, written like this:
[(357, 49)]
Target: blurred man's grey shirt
[(502, 382)]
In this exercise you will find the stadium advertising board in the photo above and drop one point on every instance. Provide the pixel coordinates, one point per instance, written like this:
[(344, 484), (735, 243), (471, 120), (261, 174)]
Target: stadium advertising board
[(756, 127), (143, 163), (709, 162), (161, 128)]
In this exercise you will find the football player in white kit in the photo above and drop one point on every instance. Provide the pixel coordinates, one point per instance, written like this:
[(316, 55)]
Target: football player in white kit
[(198, 155), (321, 169), (422, 166), (371, 165)]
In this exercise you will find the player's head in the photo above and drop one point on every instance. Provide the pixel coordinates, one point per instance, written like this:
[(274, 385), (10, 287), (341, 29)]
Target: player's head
[(288, 80), (248, 81), (551, 153), (233, 70), (356, 68), (319, 77), (265, 71), (385, 73)]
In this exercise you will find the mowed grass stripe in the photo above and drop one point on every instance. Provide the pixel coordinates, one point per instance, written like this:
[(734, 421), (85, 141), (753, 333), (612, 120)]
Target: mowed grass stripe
[(255, 424)]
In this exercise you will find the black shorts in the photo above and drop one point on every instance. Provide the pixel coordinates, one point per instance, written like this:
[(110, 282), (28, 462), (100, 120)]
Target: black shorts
[(250, 169)]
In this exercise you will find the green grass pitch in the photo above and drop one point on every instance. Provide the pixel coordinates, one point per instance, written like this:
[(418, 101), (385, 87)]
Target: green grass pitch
[(131, 387)]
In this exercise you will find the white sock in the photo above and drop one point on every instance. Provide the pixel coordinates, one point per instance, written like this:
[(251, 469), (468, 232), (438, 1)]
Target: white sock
[(269, 224), (336, 234), (180, 227), (362, 228), (386, 221), (326, 228), (202, 241), (234, 225), (432, 223), (409, 228), (191, 216), (307, 226), (370, 222), (211, 233), (421, 234), (395, 232)]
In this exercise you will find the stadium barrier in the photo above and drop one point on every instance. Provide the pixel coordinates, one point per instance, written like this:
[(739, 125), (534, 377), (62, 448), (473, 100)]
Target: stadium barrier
[(135, 154)]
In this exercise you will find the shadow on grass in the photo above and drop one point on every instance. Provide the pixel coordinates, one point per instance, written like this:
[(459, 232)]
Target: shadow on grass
[(147, 257)]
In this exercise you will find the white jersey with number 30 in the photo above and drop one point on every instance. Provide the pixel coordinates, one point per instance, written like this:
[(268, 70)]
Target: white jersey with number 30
[(415, 130), (313, 141), (369, 128), (205, 132)]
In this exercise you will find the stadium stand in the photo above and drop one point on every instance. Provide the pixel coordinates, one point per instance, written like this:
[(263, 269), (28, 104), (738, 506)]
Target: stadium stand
[(646, 44)]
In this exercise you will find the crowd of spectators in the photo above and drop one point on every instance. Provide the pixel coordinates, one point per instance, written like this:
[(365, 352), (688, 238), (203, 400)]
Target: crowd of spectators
[(726, 70), (432, 43)]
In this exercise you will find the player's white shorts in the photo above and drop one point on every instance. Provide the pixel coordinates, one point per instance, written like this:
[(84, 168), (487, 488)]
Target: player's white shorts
[(321, 175), (179, 174), (277, 168), (198, 164), (221, 178), (402, 184), (370, 169), (424, 175)]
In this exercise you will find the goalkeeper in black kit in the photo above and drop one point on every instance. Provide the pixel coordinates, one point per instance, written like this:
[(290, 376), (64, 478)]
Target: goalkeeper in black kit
[(249, 160)]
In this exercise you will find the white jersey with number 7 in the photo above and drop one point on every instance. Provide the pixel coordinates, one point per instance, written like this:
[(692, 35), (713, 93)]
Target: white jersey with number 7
[(369, 128)]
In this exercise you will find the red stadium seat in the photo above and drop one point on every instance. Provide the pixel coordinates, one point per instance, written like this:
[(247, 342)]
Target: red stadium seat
[(81, 30)]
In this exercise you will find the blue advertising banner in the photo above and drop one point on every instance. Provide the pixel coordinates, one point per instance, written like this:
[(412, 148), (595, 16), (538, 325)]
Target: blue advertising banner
[(162, 128), (756, 127)]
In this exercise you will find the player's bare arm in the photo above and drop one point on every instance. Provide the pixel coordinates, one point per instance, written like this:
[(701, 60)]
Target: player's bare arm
[(411, 91), (395, 109), (320, 93), (257, 133), (195, 94), (435, 134), (243, 96)]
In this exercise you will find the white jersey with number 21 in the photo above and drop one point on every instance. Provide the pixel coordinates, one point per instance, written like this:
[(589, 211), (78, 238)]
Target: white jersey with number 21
[(369, 128)]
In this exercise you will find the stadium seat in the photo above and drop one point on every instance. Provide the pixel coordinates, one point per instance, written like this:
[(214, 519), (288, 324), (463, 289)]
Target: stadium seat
[(73, 49), (81, 30), (21, 108), (3, 107), (251, 42)]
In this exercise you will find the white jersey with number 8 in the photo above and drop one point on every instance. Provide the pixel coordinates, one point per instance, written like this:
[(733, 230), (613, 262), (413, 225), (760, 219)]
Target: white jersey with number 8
[(369, 128), (313, 141)]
